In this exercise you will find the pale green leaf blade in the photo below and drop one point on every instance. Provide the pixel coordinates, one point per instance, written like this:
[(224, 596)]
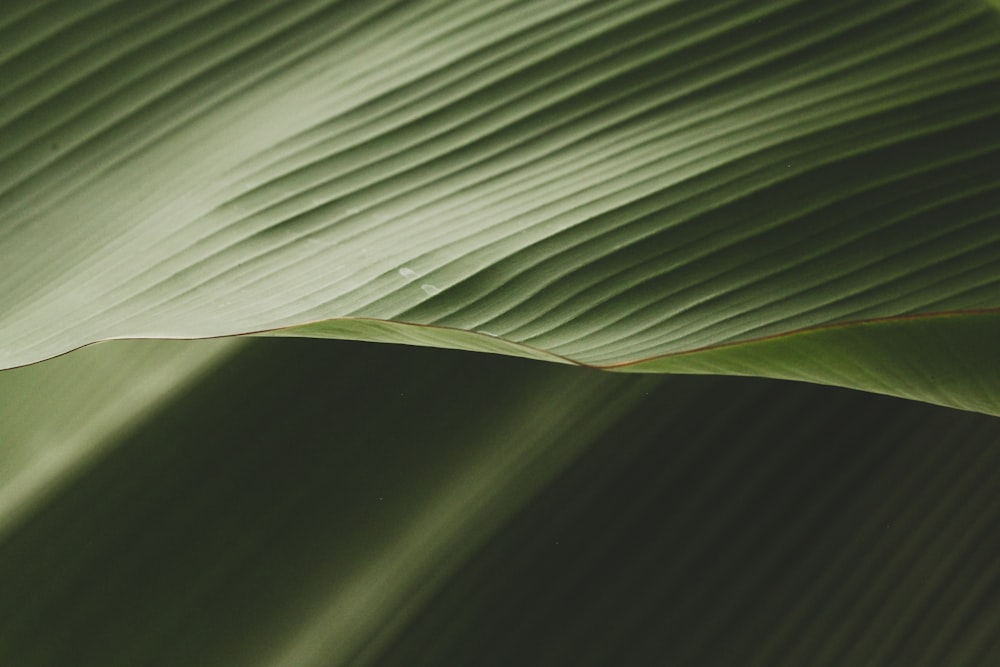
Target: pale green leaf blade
[(600, 182)]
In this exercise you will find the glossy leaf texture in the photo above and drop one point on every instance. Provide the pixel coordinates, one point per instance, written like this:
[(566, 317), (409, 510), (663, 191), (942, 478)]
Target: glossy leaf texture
[(307, 503), (605, 183)]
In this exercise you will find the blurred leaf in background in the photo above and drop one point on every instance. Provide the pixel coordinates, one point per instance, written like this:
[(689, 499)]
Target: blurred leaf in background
[(330, 503)]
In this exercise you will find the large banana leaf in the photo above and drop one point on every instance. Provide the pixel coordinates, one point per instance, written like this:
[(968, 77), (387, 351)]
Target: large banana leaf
[(794, 188), (314, 504), (800, 189)]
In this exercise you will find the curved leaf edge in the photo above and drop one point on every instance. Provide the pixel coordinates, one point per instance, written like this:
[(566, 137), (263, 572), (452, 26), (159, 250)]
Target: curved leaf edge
[(949, 358), (946, 358)]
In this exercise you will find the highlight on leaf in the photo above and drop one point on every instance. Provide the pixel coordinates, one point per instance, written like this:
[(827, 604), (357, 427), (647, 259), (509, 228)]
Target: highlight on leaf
[(607, 183)]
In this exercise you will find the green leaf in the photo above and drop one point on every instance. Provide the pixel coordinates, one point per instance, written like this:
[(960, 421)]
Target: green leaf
[(951, 359), (297, 503), (603, 182), (795, 189), (57, 417)]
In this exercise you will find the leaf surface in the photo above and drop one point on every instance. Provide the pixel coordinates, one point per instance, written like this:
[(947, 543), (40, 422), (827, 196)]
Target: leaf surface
[(600, 182), (301, 504)]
